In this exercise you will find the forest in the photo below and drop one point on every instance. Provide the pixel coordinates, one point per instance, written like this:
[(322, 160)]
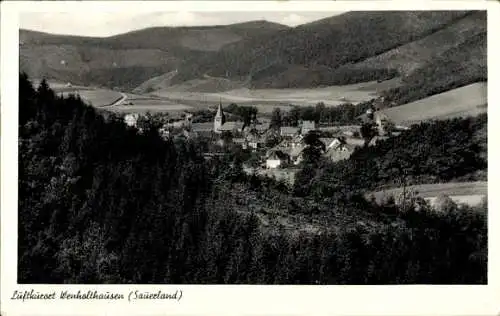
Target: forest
[(101, 203)]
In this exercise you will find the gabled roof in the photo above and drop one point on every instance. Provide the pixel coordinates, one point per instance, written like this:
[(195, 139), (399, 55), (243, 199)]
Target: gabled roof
[(231, 126), (296, 151), (308, 124), (255, 138), (326, 141), (277, 155), (262, 127), (199, 127), (354, 141), (289, 130), (239, 140), (340, 153)]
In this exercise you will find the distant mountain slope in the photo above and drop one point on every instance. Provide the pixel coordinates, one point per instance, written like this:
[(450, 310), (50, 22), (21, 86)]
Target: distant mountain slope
[(331, 42), (462, 65), (129, 59), (155, 83), (407, 58), (449, 55)]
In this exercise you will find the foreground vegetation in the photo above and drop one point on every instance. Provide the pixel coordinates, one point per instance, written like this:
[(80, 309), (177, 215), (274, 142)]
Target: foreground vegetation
[(99, 203)]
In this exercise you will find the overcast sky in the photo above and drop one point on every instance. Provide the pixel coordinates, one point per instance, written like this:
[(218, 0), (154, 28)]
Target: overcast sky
[(111, 23)]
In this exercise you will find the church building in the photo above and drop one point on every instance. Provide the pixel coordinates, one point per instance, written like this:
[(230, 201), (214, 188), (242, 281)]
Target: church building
[(219, 119)]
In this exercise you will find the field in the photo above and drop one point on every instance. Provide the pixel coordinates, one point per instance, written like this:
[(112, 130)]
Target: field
[(96, 97), (470, 100), (461, 192), (330, 96)]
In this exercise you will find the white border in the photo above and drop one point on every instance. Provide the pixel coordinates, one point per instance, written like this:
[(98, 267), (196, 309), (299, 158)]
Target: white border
[(221, 300)]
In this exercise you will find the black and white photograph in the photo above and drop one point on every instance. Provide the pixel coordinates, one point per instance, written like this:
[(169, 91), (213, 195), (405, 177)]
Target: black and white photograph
[(253, 148)]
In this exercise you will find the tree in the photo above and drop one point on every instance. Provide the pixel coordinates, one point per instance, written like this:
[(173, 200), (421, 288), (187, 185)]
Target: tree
[(314, 148), (320, 112), (294, 116), (368, 132), (276, 119)]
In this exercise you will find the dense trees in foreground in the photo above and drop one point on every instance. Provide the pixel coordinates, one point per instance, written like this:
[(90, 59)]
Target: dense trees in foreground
[(99, 203)]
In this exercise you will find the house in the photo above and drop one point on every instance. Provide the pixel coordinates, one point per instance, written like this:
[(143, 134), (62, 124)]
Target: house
[(131, 119), (188, 120), (164, 131), (255, 141), (262, 127), (288, 143), (289, 131), (276, 159), (241, 141), (383, 123), (189, 134), (338, 149), (202, 127), (308, 126), (380, 119), (297, 154)]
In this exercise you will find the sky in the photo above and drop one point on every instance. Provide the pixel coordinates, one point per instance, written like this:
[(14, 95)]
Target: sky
[(111, 23)]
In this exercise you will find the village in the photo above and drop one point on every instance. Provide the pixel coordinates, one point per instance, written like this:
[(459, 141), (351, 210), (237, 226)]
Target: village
[(276, 151)]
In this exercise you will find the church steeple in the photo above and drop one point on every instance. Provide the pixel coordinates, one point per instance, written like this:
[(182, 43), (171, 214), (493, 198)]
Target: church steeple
[(220, 118)]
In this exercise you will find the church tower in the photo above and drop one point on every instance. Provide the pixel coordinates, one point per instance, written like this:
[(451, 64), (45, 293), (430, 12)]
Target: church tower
[(220, 119)]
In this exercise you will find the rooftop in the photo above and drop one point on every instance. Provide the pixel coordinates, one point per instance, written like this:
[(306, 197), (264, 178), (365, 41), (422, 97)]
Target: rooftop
[(289, 130), (231, 126)]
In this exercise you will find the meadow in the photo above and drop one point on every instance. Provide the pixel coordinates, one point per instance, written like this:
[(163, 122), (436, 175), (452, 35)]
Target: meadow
[(465, 101), (470, 193), (330, 96)]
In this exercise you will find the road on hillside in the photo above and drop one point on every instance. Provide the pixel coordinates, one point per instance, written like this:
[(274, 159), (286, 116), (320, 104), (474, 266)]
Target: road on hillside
[(119, 101)]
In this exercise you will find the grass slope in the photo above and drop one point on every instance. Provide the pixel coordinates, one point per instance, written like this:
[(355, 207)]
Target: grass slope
[(461, 102), (465, 192)]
